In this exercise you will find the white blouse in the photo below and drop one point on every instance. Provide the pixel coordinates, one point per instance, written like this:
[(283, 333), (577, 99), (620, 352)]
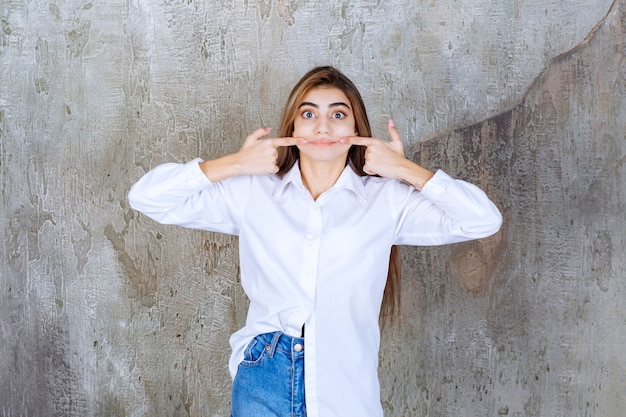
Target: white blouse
[(321, 263)]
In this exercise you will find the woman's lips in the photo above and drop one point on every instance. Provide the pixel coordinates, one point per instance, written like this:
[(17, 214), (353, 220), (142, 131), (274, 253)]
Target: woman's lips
[(322, 142)]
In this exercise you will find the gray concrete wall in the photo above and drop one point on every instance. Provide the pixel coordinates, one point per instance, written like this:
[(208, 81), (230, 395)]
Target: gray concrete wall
[(105, 313)]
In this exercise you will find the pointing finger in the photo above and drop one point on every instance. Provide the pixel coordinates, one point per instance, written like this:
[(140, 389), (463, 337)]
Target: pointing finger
[(278, 142), (356, 140)]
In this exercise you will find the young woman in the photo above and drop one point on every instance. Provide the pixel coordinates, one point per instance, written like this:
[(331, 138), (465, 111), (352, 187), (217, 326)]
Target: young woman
[(318, 211)]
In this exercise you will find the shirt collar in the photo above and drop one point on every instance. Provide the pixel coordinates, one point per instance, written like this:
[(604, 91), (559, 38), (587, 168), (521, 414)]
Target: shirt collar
[(348, 180)]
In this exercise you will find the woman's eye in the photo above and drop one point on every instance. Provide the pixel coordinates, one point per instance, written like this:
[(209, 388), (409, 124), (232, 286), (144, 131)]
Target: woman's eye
[(338, 115), (308, 114)]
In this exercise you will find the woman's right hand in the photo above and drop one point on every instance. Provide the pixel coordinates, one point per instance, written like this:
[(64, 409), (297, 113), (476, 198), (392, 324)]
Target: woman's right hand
[(257, 156)]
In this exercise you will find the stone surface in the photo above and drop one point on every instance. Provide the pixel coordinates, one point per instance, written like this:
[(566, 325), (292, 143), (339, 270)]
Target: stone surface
[(105, 313)]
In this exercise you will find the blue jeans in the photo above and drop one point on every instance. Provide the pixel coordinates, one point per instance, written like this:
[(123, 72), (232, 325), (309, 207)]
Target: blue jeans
[(270, 379)]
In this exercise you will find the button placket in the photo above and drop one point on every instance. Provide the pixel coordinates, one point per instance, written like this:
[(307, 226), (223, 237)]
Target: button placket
[(311, 249)]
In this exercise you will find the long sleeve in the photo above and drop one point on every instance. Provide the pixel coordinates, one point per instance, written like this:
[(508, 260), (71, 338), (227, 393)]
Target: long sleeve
[(447, 210), (181, 194)]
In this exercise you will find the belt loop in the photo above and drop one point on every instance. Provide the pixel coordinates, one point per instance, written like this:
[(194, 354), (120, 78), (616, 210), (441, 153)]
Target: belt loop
[(273, 343)]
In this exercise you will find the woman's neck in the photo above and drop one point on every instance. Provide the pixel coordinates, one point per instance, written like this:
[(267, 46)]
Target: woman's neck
[(319, 176)]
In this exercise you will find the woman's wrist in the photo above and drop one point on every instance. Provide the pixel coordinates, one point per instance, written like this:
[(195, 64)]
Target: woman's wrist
[(221, 168), (414, 174)]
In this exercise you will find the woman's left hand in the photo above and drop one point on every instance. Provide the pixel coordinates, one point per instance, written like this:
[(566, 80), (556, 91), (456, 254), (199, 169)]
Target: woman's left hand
[(381, 157), (387, 159)]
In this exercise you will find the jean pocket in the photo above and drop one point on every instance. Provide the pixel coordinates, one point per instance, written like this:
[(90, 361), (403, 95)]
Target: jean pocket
[(255, 352)]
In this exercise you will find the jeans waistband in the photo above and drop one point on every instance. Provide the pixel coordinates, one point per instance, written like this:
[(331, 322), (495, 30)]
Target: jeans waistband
[(293, 346)]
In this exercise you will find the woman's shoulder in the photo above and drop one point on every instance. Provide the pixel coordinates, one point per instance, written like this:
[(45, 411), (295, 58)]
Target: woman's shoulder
[(251, 182), (391, 184), (391, 190)]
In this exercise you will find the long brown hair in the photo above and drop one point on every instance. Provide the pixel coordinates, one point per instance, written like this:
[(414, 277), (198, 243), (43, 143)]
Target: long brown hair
[(327, 76)]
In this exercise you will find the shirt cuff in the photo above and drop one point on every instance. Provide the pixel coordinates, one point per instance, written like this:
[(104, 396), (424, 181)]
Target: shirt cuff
[(194, 174), (437, 185)]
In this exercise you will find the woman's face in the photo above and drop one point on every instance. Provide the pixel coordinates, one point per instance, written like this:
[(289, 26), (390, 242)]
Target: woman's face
[(324, 116)]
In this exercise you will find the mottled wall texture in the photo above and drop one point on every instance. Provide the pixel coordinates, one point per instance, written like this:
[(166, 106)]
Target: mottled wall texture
[(105, 313)]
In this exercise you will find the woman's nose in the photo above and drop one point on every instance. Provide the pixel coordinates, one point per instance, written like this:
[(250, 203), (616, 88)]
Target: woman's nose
[(322, 127)]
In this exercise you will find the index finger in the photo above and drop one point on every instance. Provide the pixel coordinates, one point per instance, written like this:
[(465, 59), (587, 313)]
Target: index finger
[(278, 142), (357, 140)]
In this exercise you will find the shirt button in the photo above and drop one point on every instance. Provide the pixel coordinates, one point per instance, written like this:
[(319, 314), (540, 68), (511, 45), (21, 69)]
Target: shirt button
[(297, 347)]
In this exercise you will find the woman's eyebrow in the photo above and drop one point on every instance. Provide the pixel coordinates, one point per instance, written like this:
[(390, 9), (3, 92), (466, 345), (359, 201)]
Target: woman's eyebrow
[(339, 103)]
